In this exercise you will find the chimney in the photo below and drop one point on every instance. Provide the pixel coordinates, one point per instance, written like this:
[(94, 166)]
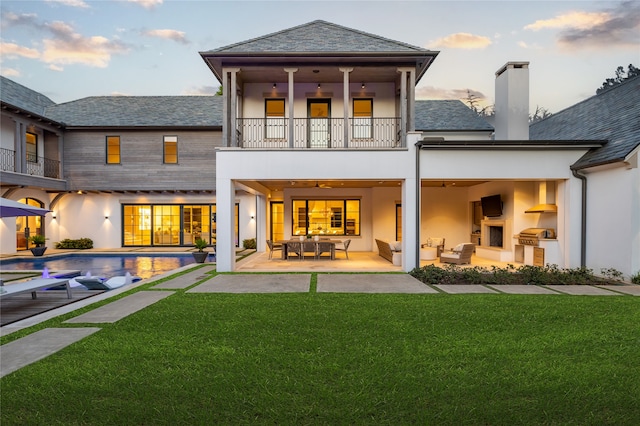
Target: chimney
[(512, 102)]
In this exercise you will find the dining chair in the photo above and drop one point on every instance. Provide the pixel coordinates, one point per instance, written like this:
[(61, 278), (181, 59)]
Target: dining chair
[(273, 247), (345, 249), (295, 247)]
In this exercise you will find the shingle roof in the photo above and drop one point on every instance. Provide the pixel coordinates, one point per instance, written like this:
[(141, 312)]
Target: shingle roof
[(448, 115), (21, 97), (613, 115), (319, 36), (140, 111)]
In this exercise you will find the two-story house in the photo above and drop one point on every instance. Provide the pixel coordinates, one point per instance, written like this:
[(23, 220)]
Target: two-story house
[(318, 133)]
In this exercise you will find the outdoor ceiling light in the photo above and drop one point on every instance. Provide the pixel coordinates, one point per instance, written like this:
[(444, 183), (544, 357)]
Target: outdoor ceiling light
[(274, 85), (363, 86)]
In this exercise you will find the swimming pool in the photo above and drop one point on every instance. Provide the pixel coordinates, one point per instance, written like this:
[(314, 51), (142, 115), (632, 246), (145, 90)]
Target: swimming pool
[(105, 265)]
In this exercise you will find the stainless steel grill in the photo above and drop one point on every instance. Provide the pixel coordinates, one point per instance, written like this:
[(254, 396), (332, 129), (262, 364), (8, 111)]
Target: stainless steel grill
[(532, 236)]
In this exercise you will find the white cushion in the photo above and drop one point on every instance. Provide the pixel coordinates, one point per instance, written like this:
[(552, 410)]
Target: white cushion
[(448, 255), (396, 245), (458, 247)]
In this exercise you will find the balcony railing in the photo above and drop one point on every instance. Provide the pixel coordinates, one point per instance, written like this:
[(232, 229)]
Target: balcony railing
[(36, 166), (319, 133)]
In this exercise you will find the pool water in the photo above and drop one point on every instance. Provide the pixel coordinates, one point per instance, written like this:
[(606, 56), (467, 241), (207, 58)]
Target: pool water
[(104, 265)]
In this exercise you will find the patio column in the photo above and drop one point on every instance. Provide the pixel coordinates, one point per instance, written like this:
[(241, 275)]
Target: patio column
[(290, 72), (60, 156), (411, 95), (409, 225), (225, 222), (20, 148), (345, 103), (403, 104), (261, 222), (229, 106)]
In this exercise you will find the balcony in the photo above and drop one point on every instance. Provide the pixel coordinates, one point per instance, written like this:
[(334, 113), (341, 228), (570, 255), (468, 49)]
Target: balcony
[(319, 133), (36, 166)]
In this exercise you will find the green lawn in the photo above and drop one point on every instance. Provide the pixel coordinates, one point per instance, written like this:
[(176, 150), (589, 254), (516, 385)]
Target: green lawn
[(345, 359)]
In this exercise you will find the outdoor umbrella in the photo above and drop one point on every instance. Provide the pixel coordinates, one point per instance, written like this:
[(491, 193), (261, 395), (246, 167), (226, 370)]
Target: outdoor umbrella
[(10, 208)]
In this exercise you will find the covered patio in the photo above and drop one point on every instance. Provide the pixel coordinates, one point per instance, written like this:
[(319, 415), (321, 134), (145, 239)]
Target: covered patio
[(359, 261)]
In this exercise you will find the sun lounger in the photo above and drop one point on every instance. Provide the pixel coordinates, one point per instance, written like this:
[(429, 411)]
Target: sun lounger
[(34, 285)]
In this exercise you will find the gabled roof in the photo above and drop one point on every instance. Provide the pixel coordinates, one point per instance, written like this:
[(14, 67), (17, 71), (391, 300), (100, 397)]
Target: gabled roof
[(448, 115), (140, 111), (613, 115), (23, 98), (319, 36)]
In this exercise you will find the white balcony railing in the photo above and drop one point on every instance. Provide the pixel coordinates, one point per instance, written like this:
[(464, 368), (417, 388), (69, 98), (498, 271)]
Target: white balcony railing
[(319, 133)]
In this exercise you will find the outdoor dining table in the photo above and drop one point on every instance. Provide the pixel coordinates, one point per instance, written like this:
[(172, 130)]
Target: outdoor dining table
[(307, 241)]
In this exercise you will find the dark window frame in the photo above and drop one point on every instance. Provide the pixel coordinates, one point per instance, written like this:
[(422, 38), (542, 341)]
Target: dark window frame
[(164, 149), (108, 152), (32, 157)]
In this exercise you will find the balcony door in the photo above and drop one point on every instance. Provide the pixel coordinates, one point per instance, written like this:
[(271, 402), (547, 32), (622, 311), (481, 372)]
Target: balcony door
[(318, 114)]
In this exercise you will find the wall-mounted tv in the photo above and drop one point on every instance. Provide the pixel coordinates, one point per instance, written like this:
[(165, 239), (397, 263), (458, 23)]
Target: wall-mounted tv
[(491, 205)]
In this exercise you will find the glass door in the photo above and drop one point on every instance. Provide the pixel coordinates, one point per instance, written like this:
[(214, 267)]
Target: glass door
[(277, 220), (319, 113), (28, 226)]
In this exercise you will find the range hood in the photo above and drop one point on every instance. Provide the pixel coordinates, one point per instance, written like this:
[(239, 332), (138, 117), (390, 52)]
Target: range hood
[(543, 208), (546, 198)]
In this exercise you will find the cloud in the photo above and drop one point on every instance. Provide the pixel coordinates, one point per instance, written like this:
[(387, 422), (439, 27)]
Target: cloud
[(175, 35), (10, 72), (69, 47), (617, 27), (582, 20), (72, 3), (12, 50), (54, 67), (63, 45), (462, 41), (147, 4)]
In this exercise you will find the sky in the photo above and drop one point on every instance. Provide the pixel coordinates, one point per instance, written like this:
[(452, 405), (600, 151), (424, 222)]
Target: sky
[(71, 49)]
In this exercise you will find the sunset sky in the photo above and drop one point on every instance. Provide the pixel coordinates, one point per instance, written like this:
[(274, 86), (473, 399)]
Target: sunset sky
[(70, 49)]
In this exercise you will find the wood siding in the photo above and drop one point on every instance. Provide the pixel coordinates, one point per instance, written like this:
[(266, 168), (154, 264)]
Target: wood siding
[(141, 154)]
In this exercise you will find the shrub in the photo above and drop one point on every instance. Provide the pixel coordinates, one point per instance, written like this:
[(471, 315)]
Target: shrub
[(249, 243), (82, 243), (526, 274), (635, 278)]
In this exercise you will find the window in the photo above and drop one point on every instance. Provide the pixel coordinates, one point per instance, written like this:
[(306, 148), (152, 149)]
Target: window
[(275, 126), (362, 118), (171, 224), (326, 217), (32, 147), (113, 149), (171, 150)]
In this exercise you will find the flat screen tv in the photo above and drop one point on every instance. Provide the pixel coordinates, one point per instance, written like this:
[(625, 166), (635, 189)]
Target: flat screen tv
[(491, 205)]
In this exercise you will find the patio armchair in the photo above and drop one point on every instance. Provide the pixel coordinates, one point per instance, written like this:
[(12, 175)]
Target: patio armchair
[(273, 247), (345, 248), (459, 255)]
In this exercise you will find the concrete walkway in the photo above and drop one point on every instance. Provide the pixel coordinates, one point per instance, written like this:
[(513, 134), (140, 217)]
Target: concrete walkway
[(38, 345), (29, 349)]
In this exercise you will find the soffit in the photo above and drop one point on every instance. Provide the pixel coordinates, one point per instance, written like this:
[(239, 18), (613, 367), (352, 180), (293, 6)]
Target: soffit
[(279, 185)]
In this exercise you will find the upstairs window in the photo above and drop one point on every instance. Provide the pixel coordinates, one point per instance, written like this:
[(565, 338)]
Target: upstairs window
[(113, 149), (362, 118), (275, 121), (171, 150), (32, 147)]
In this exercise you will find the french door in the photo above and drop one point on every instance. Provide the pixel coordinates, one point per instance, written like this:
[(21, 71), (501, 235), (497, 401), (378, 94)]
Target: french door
[(319, 116)]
